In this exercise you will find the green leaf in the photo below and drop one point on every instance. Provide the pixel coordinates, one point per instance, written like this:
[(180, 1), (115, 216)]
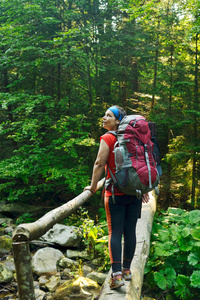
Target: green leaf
[(185, 244), (195, 279), (186, 231), (170, 273), (194, 216), (174, 232), (182, 280), (163, 235), (165, 249), (175, 211), (182, 288), (195, 232), (160, 280), (193, 259), (165, 278)]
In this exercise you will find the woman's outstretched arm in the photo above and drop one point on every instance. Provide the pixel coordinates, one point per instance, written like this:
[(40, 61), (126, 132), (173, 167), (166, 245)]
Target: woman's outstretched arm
[(99, 165)]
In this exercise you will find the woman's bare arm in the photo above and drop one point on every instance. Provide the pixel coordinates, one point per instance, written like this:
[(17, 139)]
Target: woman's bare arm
[(99, 165)]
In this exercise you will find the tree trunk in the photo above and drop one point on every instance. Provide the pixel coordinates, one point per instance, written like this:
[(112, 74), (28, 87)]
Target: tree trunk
[(22, 259), (52, 81), (134, 71), (124, 92), (155, 70), (68, 88), (195, 133), (59, 82), (168, 192)]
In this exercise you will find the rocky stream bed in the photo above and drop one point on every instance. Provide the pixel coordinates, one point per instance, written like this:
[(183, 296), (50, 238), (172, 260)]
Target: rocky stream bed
[(62, 270)]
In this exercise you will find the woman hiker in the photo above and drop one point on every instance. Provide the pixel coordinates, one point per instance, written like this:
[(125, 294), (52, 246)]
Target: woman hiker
[(122, 215)]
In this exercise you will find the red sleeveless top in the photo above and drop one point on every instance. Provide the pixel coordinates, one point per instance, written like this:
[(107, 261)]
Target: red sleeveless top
[(110, 140)]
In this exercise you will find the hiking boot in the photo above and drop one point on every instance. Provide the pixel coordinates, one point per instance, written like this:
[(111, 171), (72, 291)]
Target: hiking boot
[(127, 275), (116, 281)]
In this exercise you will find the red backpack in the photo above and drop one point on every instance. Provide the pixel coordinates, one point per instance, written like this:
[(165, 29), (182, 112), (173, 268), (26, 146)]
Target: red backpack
[(136, 172)]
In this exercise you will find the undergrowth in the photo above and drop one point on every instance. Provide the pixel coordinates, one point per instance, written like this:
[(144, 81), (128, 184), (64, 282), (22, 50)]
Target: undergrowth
[(173, 266), (94, 235)]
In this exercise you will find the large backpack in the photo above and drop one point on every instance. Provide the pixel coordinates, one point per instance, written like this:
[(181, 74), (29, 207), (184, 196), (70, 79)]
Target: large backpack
[(136, 172)]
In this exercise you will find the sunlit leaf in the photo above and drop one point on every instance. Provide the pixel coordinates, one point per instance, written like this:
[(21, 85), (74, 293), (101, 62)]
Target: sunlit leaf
[(195, 279)]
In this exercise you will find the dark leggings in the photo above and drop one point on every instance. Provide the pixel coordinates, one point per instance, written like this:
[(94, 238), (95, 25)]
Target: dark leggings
[(122, 218)]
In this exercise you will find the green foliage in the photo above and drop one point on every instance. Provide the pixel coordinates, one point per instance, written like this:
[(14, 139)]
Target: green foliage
[(174, 261), (52, 153), (94, 235), (102, 214), (25, 218), (95, 241), (165, 278), (76, 218), (61, 60)]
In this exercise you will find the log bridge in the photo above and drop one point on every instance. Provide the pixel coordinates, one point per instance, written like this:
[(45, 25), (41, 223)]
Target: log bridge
[(24, 233)]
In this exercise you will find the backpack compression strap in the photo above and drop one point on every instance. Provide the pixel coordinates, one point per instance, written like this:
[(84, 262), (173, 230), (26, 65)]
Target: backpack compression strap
[(148, 165), (113, 184)]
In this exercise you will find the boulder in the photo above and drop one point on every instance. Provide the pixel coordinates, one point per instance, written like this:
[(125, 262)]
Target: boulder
[(65, 236), (66, 262), (36, 285), (14, 210), (2, 231), (66, 274), (45, 261), (9, 263), (96, 261), (6, 275), (86, 270), (6, 294), (8, 230), (53, 283), (98, 277), (82, 288), (79, 254), (42, 280), (49, 296), (5, 221), (39, 294), (5, 244)]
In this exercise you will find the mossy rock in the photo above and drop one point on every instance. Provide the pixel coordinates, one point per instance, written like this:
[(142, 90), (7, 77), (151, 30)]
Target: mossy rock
[(81, 288), (6, 275), (5, 244)]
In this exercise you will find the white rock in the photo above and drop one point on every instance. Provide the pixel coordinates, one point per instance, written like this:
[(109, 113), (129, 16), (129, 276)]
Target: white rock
[(53, 283), (63, 235), (39, 294), (45, 261)]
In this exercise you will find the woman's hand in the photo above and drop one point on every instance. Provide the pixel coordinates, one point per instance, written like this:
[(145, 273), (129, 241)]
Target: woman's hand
[(145, 198), (88, 188)]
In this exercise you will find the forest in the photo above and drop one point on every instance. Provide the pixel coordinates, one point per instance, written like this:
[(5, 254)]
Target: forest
[(64, 62)]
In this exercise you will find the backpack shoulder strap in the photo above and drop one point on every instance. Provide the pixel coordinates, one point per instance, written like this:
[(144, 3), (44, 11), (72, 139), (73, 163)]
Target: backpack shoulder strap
[(112, 132)]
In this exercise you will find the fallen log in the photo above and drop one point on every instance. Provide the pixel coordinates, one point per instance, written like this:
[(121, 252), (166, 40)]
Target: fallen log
[(25, 233), (31, 231)]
